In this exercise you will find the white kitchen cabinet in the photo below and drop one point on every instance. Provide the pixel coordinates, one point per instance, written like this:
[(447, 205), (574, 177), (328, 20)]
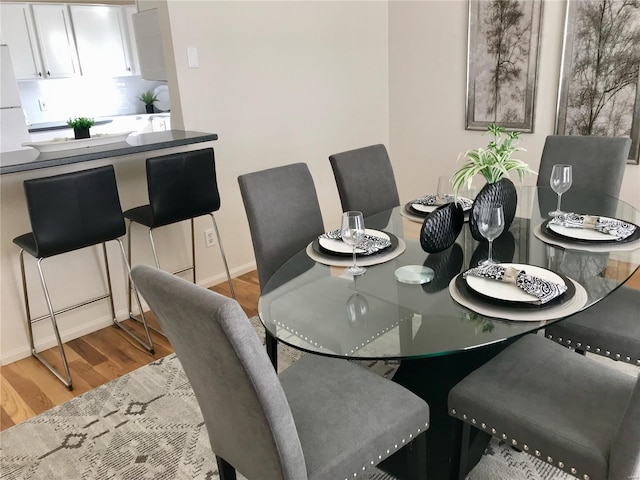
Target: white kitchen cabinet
[(129, 11), (18, 32), (57, 46), (101, 39), (149, 41)]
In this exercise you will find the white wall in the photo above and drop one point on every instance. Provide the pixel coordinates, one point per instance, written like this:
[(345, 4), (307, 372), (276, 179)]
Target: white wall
[(280, 82), (427, 52)]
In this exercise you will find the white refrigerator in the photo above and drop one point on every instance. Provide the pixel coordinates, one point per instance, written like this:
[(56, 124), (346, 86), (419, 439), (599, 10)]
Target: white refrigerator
[(13, 124)]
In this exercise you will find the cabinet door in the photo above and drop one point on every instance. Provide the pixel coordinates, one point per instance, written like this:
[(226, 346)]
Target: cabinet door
[(56, 40), (101, 39), (129, 11), (17, 31), (149, 40)]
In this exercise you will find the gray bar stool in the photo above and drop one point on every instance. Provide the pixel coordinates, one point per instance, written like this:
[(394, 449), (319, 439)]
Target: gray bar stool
[(181, 186), (69, 212)]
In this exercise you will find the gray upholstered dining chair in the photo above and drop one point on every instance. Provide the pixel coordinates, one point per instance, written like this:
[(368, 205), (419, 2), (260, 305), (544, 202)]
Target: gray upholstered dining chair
[(365, 180), (322, 418), (284, 216), (598, 166), (574, 412)]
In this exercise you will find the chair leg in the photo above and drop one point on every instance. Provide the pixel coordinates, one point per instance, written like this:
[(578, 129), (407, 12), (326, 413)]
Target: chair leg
[(153, 248), (148, 345), (459, 464), (271, 343), (193, 251), (66, 379), (225, 470), (417, 458), (224, 257)]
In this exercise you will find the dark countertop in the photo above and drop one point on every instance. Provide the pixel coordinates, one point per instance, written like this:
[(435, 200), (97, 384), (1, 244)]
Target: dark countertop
[(31, 159)]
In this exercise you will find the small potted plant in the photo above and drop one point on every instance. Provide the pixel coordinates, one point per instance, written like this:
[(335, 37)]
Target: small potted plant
[(148, 98), (494, 163), (81, 126)]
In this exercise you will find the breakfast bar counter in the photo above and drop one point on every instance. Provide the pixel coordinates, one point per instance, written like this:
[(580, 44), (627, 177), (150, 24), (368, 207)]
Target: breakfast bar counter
[(78, 275), (32, 159)]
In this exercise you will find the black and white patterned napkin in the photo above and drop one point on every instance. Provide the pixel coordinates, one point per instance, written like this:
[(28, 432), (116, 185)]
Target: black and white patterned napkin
[(619, 229), (369, 243), (543, 290), (433, 201)]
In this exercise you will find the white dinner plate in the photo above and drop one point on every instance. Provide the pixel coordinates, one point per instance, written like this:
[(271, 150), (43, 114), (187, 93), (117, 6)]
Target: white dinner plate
[(163, 103), (430, 208), (510, 292), (581, 233), (339, 246)]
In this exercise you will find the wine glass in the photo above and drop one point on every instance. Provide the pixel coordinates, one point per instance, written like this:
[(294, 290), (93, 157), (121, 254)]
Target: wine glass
[(560, 182), (352, 233), (490, 225)]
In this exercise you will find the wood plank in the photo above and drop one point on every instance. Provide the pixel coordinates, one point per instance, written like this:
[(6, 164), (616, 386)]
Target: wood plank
[(86, 351), (15, 404), (5, 420), (48, 383)]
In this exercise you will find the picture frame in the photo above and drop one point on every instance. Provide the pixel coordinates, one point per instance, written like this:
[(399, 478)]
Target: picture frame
[(501, 89), (592, 100)]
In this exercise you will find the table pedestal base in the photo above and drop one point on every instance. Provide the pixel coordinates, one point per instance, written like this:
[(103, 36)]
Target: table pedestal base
[(431, 379)]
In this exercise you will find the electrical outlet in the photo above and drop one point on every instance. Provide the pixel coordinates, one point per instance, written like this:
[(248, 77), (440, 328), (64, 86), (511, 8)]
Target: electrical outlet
[(43, 105), (210, 237)]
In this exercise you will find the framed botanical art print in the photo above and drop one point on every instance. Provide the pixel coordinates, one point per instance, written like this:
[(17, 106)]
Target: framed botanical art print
[(599, 90), (502, 63)]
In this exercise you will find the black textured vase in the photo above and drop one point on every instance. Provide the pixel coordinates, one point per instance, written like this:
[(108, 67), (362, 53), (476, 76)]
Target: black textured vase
[(502, 192), (441, 228)]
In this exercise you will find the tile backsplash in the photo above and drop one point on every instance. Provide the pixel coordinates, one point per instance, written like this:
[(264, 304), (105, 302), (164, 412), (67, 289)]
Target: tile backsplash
[(82, 97)]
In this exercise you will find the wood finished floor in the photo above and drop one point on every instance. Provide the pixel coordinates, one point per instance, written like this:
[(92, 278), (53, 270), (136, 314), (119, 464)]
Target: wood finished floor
[(27, 388)]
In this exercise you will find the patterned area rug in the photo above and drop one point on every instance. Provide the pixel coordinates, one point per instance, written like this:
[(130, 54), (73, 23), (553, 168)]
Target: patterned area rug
[(147, 425)]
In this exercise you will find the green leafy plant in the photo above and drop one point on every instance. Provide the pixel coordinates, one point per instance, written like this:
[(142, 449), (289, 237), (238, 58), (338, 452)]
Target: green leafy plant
[(148, 97), (493, 162), (81, 122)]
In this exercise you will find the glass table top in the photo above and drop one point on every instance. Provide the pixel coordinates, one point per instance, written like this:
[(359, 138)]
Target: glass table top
[(317, 308)]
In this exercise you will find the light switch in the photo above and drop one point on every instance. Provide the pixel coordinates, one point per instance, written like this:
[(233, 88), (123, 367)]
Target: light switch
[(192, 57)]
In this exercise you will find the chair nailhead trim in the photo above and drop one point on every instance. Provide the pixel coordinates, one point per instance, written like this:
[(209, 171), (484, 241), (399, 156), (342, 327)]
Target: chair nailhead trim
[(568, 342), (578, 345), (560, 339), (588, 347), (514, 442)]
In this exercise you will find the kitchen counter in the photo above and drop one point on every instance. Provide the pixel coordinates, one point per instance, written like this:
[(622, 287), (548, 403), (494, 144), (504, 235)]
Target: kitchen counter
[(31, 159)]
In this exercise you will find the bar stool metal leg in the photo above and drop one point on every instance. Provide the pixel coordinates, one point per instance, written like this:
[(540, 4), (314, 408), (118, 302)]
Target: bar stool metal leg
[(224, 257), (148, 344), (66, 380)]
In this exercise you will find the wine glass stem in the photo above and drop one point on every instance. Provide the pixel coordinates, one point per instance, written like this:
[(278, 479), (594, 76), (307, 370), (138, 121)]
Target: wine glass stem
[(354, 255), (559, 198), (490, 259)]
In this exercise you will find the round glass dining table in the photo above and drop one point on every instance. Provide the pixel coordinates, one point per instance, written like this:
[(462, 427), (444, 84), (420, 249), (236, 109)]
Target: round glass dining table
[(316, 308)]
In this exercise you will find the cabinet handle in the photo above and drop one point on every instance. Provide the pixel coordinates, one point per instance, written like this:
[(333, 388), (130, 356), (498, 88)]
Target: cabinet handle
[(128, 69), (39, 74), (48, 73)]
